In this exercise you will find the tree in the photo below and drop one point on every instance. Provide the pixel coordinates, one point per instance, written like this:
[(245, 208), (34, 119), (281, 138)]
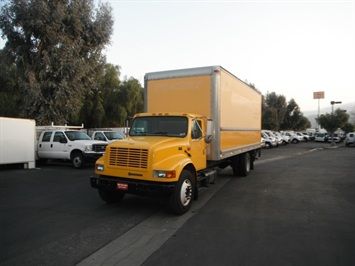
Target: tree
[(294, 118), (278, 114), (331, 122), (113, 101), (348, 127), (132, 94), (57, 49), (274, 110), (9, 92)]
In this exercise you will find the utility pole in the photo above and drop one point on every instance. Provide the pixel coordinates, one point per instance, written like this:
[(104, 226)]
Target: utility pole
[(318, 95)]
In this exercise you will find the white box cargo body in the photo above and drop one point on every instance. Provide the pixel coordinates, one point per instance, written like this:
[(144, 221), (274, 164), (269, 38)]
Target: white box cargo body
[(233, 106), (17, 141)]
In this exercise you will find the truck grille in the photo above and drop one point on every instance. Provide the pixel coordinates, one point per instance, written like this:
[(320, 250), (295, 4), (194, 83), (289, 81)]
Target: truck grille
[(99, 147), (125, 157)]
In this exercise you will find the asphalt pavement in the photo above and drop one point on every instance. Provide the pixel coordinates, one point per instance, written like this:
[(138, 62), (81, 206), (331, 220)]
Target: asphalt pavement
[(298, 210), (295, 208), (51, 216)]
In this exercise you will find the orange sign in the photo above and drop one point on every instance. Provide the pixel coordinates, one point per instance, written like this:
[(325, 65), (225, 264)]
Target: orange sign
[(318, 95)]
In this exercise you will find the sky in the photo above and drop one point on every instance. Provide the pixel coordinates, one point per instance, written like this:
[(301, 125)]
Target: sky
[(292, 48)]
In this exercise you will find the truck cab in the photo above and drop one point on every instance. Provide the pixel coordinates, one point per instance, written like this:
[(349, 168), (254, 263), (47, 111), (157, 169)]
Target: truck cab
[(162, 154)]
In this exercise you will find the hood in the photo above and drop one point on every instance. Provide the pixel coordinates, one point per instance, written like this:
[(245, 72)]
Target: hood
[(88, 142), (149, 142)]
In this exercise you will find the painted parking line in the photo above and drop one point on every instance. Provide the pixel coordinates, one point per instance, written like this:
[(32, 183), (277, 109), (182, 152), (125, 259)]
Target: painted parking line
[(136, 245)]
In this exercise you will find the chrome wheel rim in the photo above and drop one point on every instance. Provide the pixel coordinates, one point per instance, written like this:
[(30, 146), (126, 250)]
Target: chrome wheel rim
[(77, 161), (186, 192)]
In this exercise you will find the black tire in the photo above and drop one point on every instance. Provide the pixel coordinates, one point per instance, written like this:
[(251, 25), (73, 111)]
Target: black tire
[(77, 160), (111, 196), (244, 164), (181, 198), (295, 141), (42, 161), (235, 165), (241, 165)]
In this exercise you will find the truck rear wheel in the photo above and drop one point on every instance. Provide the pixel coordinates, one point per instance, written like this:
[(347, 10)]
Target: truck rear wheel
[(244, 164), (241, 164), (181, 198), (111, 196)]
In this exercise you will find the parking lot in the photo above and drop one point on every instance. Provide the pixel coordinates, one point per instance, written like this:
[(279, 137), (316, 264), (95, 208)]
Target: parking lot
[(295, 208)]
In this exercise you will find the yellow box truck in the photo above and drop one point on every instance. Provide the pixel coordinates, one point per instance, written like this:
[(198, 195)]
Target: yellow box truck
[(196, 121)]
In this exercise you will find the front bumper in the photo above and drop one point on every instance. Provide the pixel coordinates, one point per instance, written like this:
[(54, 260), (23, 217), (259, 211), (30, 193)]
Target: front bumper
[(92, 155), (133, 186)]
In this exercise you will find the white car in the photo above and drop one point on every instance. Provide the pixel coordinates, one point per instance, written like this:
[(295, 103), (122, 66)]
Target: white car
[(270, 141), (108, 136), (278, 137), (321, 137), (334, 138), (306, 137), (294, 138), (283, 139), (300, 136), (350, 138)]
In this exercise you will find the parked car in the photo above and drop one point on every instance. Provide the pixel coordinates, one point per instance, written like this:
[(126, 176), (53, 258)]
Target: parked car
[(294, 138), (300, 136), (282, 138), (350, 138), (321, 137), (278, 137), (306, 137), (108, 136), (334, 138), (270, 141), (262, 141)]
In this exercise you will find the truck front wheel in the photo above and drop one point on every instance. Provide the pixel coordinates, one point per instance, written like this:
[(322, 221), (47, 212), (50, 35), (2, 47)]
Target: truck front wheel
[(111, 196), (77, 160), (182, 196)]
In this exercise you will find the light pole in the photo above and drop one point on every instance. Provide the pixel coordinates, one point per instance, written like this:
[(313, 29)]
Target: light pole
[(332, 103)]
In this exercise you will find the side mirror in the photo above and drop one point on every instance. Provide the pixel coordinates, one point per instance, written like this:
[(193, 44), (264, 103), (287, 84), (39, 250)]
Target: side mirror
[(209, 132), (63, 140)]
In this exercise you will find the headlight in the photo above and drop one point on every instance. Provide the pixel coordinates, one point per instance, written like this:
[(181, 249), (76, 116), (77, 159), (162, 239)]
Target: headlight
[(100, 167), (88, 148), (164, 174)]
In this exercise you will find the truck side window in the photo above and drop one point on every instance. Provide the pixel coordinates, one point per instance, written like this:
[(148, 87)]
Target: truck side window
[(99, 136), (46, 136), (196, 130), (58, 136)]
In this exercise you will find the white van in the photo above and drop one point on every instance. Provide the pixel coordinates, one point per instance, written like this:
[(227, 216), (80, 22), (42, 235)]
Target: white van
[(350, 138), (321, 137)]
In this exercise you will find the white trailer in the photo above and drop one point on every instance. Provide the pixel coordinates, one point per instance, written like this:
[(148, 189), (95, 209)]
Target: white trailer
[(17, 141)]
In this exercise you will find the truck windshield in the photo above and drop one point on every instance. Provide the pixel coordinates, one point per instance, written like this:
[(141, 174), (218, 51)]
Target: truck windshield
[(111, 135), (171, 126), (77, 135)]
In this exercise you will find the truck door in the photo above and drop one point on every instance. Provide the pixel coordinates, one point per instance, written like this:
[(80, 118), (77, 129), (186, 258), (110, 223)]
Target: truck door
[(43, 148), (198, 145), (59, 146)]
